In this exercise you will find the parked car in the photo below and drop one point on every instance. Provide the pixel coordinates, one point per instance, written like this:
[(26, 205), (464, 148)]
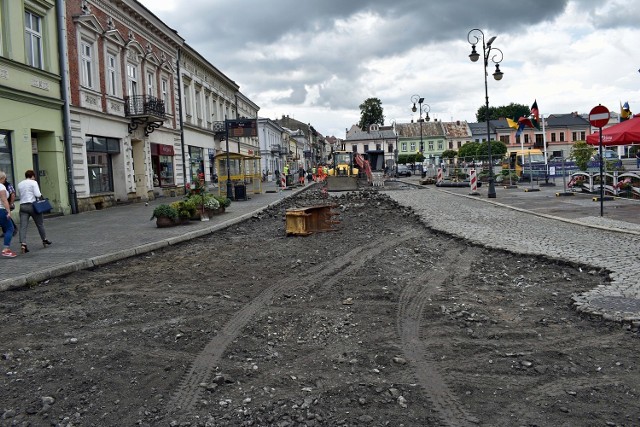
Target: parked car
[(403, 170), (607, 154)]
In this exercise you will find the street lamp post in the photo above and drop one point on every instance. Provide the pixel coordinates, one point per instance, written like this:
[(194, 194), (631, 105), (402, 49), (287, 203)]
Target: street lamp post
[(474, 37), (423, 109)]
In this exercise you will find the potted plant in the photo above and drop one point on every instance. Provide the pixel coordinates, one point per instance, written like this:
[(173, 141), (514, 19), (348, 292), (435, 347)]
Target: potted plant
[(224, 202), (185, 211), (211, 205), (165, 216)]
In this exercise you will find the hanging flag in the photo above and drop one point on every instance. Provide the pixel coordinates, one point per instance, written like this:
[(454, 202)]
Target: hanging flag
[(535, 114), (625, 112), (512, 123), (522, 123)]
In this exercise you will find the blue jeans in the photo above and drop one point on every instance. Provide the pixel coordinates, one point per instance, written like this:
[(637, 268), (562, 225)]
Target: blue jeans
[(7, 225)]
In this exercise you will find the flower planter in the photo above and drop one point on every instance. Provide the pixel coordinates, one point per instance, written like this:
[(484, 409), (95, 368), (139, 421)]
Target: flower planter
[(165, 221)]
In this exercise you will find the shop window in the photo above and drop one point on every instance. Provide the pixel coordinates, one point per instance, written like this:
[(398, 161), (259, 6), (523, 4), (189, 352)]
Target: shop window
[(6, 157), (196, 155), (99, 163)]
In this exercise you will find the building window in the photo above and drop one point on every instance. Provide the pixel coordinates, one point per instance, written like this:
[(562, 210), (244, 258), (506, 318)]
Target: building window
[(132, 80), (33, 39), (561, 136), (164, 88), (413, 147), (574, 136), (450, 145), (526, 138), (505, 139), (582, 136), (354, 147), (430, 145), (390, 148), (366, 147), (86, 59), (553, 137), (112, 75), (404, 147), (440, 145), (99, 153), (151, 87), (6, 157), (187, 102), (198, 101)]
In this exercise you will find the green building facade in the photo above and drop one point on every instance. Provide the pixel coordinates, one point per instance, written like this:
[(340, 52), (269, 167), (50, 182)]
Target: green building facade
[(31, 121)]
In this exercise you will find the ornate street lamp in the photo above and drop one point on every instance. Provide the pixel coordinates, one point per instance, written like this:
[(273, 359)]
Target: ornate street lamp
[(423, 109), (474, 37)]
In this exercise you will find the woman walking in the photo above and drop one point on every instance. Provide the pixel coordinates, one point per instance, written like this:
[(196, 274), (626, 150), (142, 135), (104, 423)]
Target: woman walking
[(5, 218), (29, 193)]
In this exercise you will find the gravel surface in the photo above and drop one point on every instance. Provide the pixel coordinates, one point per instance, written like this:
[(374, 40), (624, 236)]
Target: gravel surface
[(381, 322)]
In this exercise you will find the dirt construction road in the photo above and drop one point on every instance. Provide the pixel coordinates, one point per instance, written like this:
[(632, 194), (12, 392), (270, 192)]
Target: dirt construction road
[(381, 322)]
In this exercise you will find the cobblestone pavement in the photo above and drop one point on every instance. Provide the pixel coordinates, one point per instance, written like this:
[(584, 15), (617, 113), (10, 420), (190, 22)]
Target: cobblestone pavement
[(577, 234)]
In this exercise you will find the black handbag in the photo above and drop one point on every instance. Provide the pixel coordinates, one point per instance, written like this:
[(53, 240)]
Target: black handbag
[(42, 206)]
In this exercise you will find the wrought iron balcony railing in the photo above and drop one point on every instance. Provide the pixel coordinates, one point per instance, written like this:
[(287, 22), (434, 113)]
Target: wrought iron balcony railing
[(144, 105)]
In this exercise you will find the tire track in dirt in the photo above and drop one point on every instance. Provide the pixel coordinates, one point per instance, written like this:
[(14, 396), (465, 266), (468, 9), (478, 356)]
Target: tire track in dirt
[(188, 392), (412, 302)]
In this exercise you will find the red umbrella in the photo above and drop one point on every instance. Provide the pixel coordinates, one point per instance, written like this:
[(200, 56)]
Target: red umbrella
[(624, 133)]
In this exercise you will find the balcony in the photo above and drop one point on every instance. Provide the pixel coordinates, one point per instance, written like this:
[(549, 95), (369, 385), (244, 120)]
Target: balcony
[(148, 111), (275, 149)]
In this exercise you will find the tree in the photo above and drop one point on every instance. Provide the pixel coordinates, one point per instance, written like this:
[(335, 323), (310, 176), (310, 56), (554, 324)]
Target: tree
[(371, 113), (449, 154), (582, 152), (469, 150), (511, 111), (498, 149)]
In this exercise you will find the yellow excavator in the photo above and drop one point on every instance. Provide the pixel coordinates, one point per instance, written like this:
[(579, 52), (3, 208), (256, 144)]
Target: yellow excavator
[(343, 175)]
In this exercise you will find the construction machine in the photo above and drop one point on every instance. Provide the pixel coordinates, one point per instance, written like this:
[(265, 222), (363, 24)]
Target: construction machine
[(343, 175)]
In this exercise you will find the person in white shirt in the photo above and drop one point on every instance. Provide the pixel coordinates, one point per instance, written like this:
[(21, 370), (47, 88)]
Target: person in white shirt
[(29, 193), (5, 217)]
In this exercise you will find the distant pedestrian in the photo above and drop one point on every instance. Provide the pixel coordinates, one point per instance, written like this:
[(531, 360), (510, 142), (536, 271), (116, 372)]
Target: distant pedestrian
[(5, 218), (638, 158), (29, 193), (301, 173)]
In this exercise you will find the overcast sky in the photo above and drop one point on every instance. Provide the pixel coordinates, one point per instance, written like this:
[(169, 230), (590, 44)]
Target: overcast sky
[(318, 60)]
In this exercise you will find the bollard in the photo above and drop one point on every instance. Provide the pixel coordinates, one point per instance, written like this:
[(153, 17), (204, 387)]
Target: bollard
[(473, 182), (439, 178)]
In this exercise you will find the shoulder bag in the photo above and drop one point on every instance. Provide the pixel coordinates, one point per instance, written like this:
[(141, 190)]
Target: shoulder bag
[(42, 206)]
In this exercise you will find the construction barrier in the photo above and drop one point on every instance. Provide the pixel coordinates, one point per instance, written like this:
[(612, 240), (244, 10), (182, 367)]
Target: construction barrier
[(473, 181), (439, 178)]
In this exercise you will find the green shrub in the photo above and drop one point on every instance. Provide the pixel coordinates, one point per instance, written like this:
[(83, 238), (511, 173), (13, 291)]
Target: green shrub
[(164, 210)]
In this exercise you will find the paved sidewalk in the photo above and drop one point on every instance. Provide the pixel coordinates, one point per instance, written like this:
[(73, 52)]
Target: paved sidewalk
[(93, 238)]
